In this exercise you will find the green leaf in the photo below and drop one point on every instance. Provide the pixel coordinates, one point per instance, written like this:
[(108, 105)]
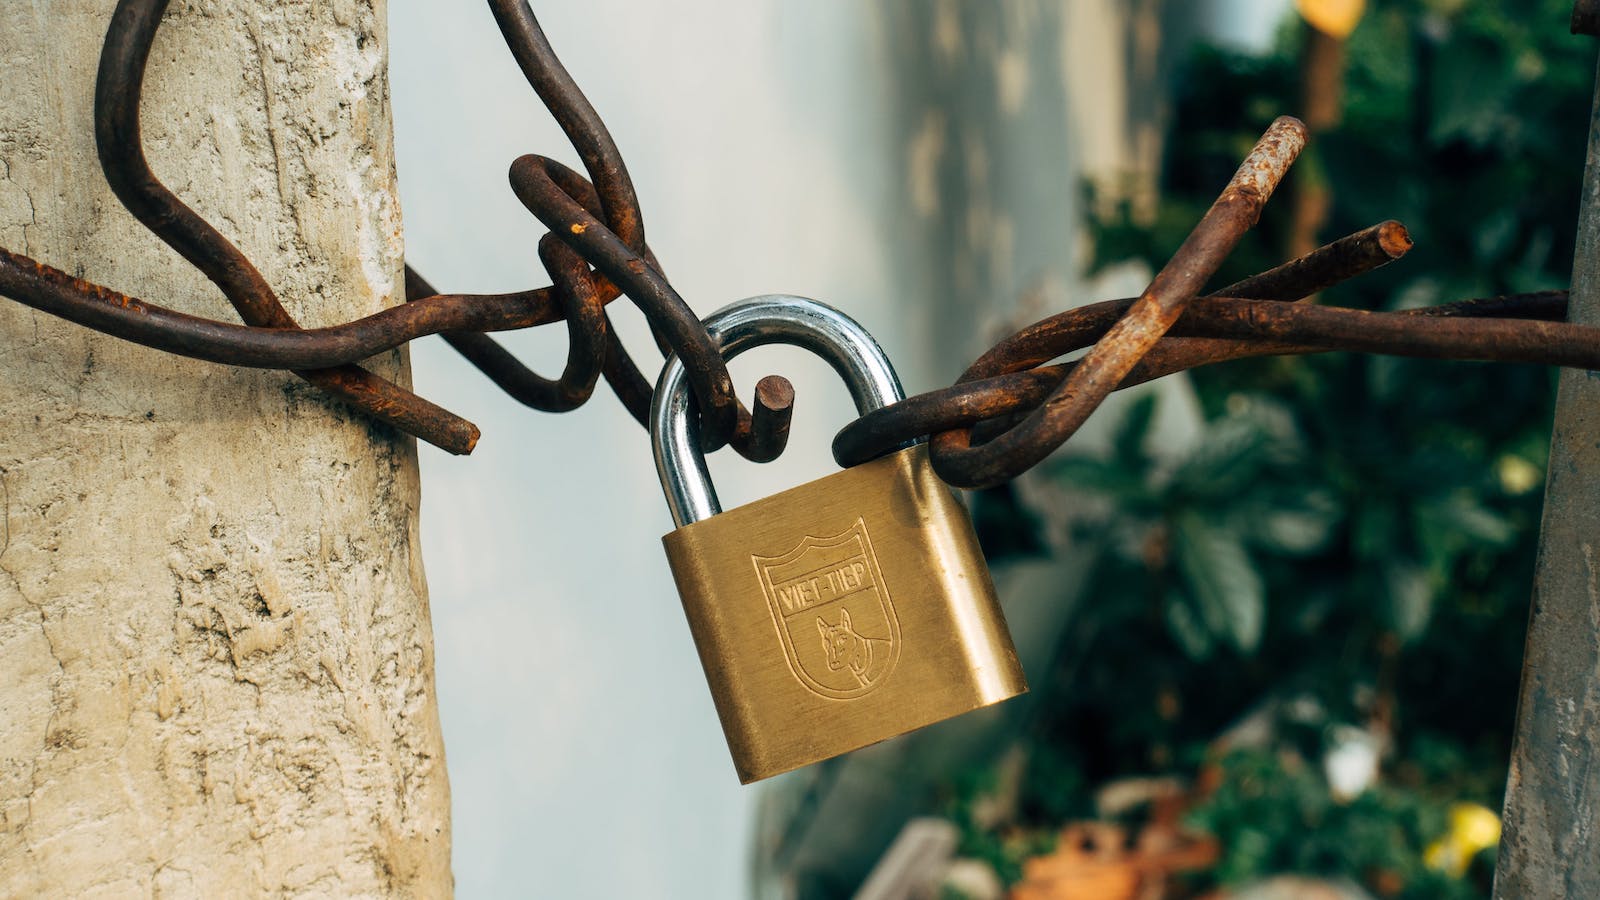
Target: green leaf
[(1374, 529), (1476, 520), (1187, 629), (1495, 234), (1127, 442), (1447, 527), (1295, 531), (1227, 459), (1410, 598), (1469, 91), (1225, 584)]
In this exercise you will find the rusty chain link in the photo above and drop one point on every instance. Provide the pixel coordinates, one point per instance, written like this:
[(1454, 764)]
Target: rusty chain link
[(1008, 411)]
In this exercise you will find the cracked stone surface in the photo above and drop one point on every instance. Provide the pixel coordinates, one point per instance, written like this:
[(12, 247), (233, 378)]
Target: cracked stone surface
[(216, 664)]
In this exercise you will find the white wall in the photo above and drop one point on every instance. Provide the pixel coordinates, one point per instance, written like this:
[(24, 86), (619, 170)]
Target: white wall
[(585, 755)]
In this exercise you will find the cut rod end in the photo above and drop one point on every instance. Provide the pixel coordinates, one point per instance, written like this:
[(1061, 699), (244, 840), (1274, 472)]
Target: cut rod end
[(1394, 239), (769, 419)]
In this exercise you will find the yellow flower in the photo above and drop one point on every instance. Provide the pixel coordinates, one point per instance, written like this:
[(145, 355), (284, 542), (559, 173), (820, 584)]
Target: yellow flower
[(1517, 475), (1473, 829), (1335, 18)]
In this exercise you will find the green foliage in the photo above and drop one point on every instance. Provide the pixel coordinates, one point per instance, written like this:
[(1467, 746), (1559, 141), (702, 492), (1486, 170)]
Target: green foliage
[(1189, 528), (1273, 813), (1465, 121), (1347, 533)]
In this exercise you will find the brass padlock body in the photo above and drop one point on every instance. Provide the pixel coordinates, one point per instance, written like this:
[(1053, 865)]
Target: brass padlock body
[(842, 612)]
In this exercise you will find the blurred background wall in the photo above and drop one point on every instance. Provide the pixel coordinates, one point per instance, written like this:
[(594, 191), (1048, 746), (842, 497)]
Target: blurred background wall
[(914, 163)]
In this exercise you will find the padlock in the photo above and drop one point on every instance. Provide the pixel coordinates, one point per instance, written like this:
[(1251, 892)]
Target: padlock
[(839, 613)]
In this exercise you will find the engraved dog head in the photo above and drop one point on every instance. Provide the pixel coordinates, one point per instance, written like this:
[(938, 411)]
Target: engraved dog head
[(866, 657), (842, 642)]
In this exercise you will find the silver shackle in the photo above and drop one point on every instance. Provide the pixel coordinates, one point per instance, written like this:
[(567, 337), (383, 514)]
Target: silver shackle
[(769, 319)]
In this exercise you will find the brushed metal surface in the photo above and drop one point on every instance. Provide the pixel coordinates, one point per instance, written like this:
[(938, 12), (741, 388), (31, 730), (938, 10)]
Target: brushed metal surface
[(842, 612)]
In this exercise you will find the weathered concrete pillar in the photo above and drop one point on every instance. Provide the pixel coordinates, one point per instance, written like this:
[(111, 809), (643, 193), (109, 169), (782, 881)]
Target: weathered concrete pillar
[(216, 665)]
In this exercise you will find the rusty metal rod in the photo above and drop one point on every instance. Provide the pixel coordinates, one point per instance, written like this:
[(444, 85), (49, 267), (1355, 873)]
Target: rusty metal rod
[(51, 290), (577, 117), (600, 224), (1061, 414), (771, 413), (617, 247), (1326, 266), (997, 397), (561, 198), (577, 294), (1319, 329), (583, 310), (542, 306), (1343, 259), (118, 140), (55, 291), (569, 204), (534, 182)]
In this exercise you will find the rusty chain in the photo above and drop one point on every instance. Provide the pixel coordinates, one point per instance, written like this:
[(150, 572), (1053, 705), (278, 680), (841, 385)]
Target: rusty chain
[(1006, 413)]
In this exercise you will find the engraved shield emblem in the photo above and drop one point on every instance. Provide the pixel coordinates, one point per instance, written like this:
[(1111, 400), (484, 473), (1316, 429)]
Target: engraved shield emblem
[(833, 612)]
